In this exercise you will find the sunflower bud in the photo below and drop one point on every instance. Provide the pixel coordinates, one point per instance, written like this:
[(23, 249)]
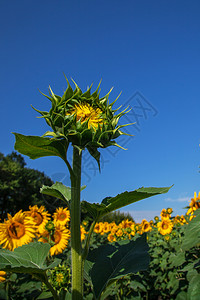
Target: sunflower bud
[(84, 119)]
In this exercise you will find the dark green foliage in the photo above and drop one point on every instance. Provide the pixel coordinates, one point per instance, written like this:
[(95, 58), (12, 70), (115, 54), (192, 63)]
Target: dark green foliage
[(117, 217), (20, 186), (115, 261)]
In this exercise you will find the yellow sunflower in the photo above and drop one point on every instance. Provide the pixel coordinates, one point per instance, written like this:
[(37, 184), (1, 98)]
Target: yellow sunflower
[(98, 228), (61, 216), (106, 227), (87, 113), (194, 204), (113, 227), (17, 231), (119, 232), (164, 214), (165, 226), (125, 224), (2, 276), (169, 210), (145, 226), (39, 215), (111, 238), (60, 239)]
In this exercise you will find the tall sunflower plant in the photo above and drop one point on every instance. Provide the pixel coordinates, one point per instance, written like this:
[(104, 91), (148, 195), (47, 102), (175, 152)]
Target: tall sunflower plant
[(85, 122)]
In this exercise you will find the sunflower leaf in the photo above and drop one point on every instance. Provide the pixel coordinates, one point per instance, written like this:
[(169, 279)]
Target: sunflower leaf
[(96, 154), (192, 235), (113, 203), (29, 258), (59, 190), (115, 261), (36, 146)]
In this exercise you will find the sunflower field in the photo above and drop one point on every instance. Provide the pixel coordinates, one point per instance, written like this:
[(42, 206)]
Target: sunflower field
[(173, 241), (64, 256)]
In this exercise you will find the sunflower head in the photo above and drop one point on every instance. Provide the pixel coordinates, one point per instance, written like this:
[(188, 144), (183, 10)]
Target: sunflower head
[(17, 231), (61, 216), (39, 215), (145, 226), (85, 120), (165, 226)]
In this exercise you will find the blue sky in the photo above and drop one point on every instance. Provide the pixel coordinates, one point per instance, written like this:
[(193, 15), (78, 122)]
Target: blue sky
[(149, 50)]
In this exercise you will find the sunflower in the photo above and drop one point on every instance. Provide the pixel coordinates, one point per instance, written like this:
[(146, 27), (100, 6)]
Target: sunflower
[(85, 120), (98, 228), (169, 210), (145, 226), (119, 232), (165, 226), (39, 215), (125, 223), (164, 214), (111, 238), (106, 228), (60, 239), (194, 204), (87, 113), (61, 216), (17, 231), (113, 227), (2, 276)]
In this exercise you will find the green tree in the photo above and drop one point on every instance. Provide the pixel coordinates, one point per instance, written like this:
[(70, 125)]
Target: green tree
[(20, 186), (117, 217)]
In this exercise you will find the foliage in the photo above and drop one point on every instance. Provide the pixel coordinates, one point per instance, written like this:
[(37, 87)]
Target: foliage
[(20, 186), (117, 217)]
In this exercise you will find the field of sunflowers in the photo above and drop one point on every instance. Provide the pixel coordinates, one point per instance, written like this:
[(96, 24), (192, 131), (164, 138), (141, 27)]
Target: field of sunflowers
[(173, 241)]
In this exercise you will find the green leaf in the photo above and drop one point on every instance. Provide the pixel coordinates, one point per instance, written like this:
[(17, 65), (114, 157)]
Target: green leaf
[(59, 190), (45, 295), (96, 154), (194, 288), (192, 233), (29, 258), (35, 146), (121, 200), (181, 296), (177, 259), (110, 262)]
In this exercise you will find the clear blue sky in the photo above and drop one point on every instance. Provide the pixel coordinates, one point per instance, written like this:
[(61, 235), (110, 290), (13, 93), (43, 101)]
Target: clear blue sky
[(149, 50)]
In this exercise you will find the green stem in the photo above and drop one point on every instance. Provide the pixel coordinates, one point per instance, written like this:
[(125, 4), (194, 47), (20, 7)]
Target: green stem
[(87, 243), (44, 278), (76, 249)]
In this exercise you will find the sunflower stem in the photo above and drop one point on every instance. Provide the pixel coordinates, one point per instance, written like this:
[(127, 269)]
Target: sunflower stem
[(87, 243), (76, 248), (44, 278)]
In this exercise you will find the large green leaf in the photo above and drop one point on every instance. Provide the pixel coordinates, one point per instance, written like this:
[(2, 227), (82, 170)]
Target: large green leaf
[(110, 262), (110, 204), (29, 258), (194, 288), (192, 233), (59, 190), (36, 146)]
